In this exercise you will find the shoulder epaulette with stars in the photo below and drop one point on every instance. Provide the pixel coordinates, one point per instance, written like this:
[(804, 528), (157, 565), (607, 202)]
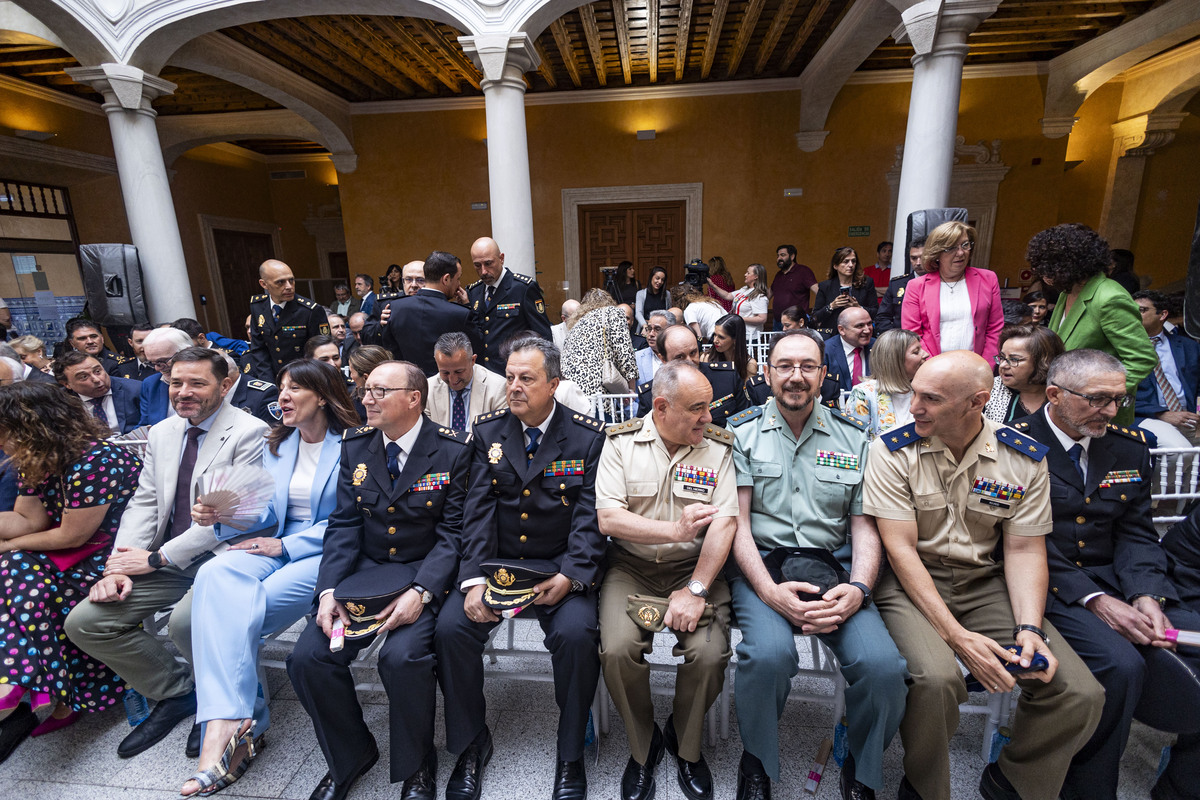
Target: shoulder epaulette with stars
[(848, 418), (521, 277), (723, 365), (353, 433), (718, 434), (645, 387), (258, 298), (304, 301), (588, 422), (491, 415), (261, 386), (901, 437), (743, 417), (1019, 426), (757, 380), (461, 437), (1133, 433), (473, 285), (1023, 443), (625, 427)]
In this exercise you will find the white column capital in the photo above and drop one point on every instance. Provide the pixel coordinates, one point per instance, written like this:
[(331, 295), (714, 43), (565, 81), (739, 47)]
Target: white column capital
[(123, 86), (811, 141), (933, 26), (1143, 134), (502, 57), (1057, 127)]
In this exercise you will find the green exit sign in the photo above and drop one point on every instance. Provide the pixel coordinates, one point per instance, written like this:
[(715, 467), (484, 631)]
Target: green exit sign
[(860, 230)]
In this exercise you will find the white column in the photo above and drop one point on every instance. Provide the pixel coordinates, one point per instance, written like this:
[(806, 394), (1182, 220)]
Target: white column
[(1134, 141), (145, 190), (938, 31), (504, 59)]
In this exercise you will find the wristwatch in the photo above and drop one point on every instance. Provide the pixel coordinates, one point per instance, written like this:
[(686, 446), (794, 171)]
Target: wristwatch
[(155, 560), (1162, 601), (426, 595), (1034, 629), (697, 588), (862, 587)]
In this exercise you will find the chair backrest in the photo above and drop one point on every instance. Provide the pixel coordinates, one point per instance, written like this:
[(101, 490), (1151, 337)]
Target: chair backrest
[(613, 408), (759, 344), (1175, 483)]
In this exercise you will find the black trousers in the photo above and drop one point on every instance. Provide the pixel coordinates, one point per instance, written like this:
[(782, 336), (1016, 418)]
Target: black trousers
[(573, 639), (326, 690)]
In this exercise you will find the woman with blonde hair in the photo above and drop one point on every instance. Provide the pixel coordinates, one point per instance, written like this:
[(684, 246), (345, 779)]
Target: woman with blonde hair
[(749, 302), (882, 400), (598, 353), (33, 352), (953, 306)]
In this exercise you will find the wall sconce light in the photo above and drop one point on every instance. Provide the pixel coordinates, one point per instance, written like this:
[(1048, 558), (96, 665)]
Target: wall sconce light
[(647, 135), (35, 136)]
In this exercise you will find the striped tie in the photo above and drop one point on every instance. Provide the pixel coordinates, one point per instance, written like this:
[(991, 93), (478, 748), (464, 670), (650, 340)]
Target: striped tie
[(1170, 399)]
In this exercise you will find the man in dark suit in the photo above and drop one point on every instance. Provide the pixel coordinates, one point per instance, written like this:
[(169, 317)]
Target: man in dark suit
[(85, 336), (364, 287), (507, 302), (160, 347), (1168, 394), (415, 323), (137, 368), (400, 500), (888, 315), (281, 321), (848, 355), (532, 495), (679, 343), (1110, 596), (116, 402)]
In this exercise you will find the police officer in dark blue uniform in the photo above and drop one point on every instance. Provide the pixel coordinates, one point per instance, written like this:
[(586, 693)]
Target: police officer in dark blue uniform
[(414, 323), (281, 321), (507, 303), (1110, 595), (400, 501), (85, 336), (729, 395), (888, 316), (532, 495)]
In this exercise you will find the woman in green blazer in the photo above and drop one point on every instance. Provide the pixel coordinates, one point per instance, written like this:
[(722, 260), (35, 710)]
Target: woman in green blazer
[(1093, 311)]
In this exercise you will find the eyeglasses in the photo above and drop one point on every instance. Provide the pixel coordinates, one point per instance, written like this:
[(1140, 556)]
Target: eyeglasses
[(380, 392), (419, 281), (1101, 400), (1012, 361), (787, 370), (161, 364), (966, 247)]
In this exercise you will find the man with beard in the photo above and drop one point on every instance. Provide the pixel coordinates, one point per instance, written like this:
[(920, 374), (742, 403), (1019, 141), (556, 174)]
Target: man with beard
[(799, 473), (791, 284)]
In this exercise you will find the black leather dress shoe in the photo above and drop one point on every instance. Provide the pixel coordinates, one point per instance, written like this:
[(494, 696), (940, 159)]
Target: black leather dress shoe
[(570, 781), (328, 790), (162, 720), (422, 784), (638, 781), (994, 786), (695, 778), (193, 743), (466, 781), (907, 792), (16, 729), (752, 781), (851, 788)]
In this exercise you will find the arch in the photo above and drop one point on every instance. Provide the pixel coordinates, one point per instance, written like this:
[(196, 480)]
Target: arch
[(179, 134), (54, 26)]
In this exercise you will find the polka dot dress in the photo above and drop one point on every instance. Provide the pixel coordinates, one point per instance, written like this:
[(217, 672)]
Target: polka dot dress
[(35, 596)]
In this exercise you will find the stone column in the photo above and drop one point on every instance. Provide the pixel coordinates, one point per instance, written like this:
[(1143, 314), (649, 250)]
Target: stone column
[(1134, 141), (145, 190), (504, 59), (938, 30)]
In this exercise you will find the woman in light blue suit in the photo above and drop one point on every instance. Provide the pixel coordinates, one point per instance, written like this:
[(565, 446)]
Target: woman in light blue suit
[(264, 584)]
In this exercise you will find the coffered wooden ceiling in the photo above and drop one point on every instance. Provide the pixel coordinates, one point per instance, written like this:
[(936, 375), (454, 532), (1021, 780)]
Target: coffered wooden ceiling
[(606, 44)]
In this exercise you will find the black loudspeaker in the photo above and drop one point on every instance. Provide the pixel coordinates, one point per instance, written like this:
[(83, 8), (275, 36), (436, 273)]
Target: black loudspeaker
[(112, 282), (1191, 299), (922, 223)]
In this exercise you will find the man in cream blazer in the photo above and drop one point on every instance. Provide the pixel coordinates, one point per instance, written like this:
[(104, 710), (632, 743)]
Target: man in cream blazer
[(158, 550), (458, 372)]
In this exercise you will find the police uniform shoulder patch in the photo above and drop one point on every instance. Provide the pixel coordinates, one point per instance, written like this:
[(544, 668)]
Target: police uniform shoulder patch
[(720, 365), (1023, 443), (304, 301), (900, 292), (645, 387), (449, 433), (261, 386), (352, 433), (743, 417), (849, 419), (473, 285), (587, 422), (757, 380), (1130, 433), (258, 298), (718, 434), (499, 413), (900, 437), (522, 278), (625, 427)]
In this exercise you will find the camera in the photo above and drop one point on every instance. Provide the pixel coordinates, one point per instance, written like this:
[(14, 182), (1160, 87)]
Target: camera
[(696, 273)]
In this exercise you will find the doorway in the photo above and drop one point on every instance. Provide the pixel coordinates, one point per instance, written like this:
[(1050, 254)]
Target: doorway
[(648, 234), (233, 249)]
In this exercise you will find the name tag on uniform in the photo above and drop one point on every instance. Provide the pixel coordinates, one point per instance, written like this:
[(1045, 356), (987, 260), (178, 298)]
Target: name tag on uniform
[(716, 403), (431, 482), (560, 468), (830, 458), (695, 479), (989, 487), (1121, 476)]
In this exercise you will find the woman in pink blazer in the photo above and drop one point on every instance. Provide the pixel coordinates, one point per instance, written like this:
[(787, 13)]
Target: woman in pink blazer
[(935, 305)]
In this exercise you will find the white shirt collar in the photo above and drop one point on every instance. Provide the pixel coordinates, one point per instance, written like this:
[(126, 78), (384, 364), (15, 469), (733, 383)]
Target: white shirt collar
[(409, 439), (1063, 437), (525, 428)]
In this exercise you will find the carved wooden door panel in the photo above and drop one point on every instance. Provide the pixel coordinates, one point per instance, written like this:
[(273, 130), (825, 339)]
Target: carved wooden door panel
[(648, 234)]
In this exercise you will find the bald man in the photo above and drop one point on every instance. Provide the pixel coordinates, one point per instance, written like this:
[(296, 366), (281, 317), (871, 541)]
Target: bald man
[(281, 321), (946, 491), (559, 332), (508, 303)]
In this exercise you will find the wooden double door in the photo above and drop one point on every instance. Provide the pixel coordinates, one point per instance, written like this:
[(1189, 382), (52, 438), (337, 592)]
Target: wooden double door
[(648, 234)]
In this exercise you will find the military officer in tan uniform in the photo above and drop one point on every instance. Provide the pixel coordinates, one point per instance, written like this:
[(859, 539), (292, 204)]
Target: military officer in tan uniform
[(666, 493), (945, 491)]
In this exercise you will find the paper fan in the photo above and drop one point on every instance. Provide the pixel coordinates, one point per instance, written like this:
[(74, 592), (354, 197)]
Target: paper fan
[(136, 440), (239, 493)]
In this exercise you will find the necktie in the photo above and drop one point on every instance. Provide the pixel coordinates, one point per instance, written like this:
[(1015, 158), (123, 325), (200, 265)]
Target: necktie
[(393, 460), (534, 435), (1076, 453), (489, 293), (181, 516), (1170, 399), (458, 416), (275, 309), (856, 369), (98, 410)]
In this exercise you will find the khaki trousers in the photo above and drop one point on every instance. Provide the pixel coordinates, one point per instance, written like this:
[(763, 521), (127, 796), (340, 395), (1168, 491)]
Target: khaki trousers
[(1052, 721), (624, 646)]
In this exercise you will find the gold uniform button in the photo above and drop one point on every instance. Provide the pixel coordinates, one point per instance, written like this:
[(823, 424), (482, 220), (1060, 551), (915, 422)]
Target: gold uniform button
[(523, 494), (524, 515), (524, 538), (429, 503), (359, 499), (1122, 498), (562, 486), (485, 333), (1080, 520), (493, 481), (1087, 500), (1081, 543), (1079, 563), (391, 531), (1055, 590), (392, 551), (391, 509)]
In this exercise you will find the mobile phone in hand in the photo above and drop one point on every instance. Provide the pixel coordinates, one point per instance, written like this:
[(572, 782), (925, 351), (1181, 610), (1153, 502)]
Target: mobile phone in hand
[(1036, 664)]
